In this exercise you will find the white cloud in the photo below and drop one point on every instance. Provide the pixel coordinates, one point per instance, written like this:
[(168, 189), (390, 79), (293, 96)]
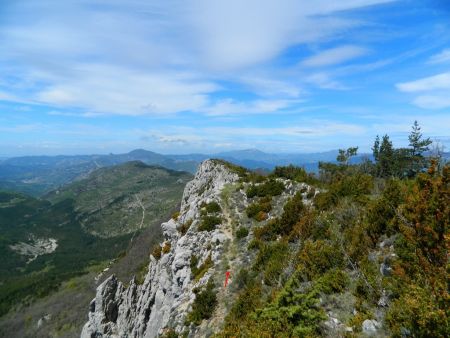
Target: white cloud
[(231, 107), (334, 56), (432, 101), (435, 91), (436, 82), (116, 90), (161, 57), (324, 81), (441, 57)]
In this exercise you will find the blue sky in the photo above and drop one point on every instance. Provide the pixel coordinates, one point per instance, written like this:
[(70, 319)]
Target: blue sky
[(100, 76)]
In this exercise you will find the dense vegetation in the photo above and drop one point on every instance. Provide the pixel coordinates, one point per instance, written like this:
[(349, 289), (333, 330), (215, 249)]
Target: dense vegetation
[(375, 241), (110, 201), (113, 201), (21, 216)]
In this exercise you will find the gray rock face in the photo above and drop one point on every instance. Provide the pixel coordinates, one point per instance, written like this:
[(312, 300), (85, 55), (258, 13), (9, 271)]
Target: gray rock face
[(167, 294), (370, 327)]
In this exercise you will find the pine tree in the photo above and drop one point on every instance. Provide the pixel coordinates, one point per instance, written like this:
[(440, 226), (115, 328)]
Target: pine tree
[(345, 155), (418, 147), (386, 157), (376, 148)]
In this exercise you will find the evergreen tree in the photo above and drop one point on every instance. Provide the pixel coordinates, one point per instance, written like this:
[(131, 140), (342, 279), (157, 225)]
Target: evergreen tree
[(376, 149), (418, 147), (386, 157), (345, 155)]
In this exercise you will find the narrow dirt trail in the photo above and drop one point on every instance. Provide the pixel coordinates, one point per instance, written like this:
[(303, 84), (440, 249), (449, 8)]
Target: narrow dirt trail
[(230, 215)]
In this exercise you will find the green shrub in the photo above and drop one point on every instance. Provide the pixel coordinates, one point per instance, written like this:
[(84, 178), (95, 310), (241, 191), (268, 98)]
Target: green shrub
[(292, 212), (335, 280), (240, 171), (355, 185), (212, 207), (255, 244), (294, 173), (271, 261), (291, 313), (418, 311), (268, 188), (268, 232), (381, 213), (199, 272), (319, 256), (209, 223), (241, 232), (256, 208), (204, 304)]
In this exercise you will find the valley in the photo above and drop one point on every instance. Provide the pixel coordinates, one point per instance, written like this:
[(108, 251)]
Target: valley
[(46, 243)]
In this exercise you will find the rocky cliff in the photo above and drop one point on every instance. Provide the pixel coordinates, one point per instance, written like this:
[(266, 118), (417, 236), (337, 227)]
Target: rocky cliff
[(188, 260)]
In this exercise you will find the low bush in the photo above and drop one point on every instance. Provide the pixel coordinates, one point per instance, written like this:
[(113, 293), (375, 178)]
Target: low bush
[(166, 247), (255, 244), (356, 186), (269, 188), (185, 227), (335, 280), (241, 232), (261, 216), (418, 312), (199, 272), (268, 232), (211, 207), (271, 261), (294, 173), (256, 208), (209, 223), (317, 257), (170, 333), (293, 210), (156, 252), (204, 304)]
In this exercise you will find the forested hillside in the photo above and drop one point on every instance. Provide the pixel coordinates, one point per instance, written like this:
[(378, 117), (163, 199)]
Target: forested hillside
[(79, 229)]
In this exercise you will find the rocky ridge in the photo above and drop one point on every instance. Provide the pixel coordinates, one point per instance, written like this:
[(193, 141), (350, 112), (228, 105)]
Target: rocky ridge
[(168, 291), (164, 297)]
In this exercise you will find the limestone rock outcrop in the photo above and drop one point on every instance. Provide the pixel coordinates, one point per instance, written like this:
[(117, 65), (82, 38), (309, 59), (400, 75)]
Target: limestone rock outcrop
[(166, 295)]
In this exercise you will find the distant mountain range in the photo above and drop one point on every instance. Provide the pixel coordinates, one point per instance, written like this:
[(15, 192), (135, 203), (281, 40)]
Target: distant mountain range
[(37, 175)]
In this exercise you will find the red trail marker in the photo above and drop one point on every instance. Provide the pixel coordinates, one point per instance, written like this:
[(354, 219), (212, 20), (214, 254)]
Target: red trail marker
[(227, 275)]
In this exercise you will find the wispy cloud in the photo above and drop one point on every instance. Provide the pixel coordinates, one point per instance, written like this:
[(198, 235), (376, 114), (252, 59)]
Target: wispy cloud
[(162, 57), (325, 81), (435, 91), (334, 56), (439, 81), (432, 101), (441, 57), (231, 107)]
